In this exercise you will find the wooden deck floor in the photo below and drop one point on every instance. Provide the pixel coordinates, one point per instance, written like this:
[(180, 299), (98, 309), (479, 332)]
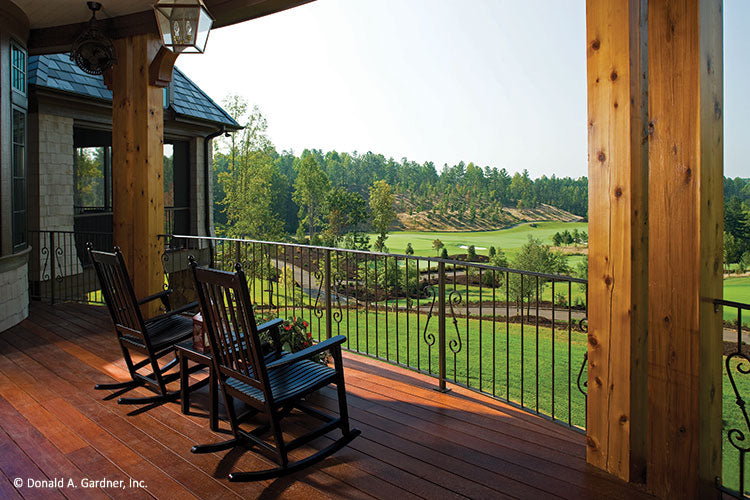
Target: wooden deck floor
[(415, 441)]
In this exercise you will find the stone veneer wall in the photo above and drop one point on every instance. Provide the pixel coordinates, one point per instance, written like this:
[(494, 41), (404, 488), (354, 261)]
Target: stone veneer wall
[(55, 173), (51, 172), (14, 289)]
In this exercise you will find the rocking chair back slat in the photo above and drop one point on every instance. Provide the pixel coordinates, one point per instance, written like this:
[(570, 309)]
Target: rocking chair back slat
[(232, 326), (118, 293)]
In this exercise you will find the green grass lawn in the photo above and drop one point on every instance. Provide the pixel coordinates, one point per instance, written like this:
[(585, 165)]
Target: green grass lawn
[(509, 240), (737, 290)]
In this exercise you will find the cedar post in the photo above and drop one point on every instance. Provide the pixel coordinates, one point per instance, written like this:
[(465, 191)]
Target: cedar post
[(618, 236), (685, 73), (137, 154)]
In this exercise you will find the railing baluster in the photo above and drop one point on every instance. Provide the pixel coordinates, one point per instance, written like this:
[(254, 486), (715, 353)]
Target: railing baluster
[(327, 278), (507, 335), (536, 346), (552, 346), (441, 324), (52, 252)]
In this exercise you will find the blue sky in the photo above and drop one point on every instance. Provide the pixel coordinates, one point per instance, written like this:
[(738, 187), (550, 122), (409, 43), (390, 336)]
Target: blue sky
[(500, 83)]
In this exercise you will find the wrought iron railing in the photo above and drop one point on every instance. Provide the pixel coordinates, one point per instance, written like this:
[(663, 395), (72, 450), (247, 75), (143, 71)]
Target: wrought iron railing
[(515, 335), (59, 269), (736, 387)]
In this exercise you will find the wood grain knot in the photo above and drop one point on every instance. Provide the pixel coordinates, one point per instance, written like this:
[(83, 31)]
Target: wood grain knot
[(616, 105), (598, 381), (601, 156), (623, 419), (613, 76), (608, 280), (593, 341), (618, 192), (596, 44)]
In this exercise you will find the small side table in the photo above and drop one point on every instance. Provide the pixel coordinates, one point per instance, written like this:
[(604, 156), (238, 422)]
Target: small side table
[(186, 351)]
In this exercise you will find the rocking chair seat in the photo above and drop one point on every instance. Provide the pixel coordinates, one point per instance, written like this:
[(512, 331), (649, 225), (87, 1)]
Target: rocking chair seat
[(165, 332), (289, 381)]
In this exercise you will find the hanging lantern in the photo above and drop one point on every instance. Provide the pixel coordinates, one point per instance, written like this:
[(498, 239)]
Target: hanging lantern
[(183, 25)]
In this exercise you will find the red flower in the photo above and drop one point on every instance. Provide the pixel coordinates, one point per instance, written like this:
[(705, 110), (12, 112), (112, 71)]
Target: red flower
[(309, 335), (304, 323), (305, 344), (287, 328)]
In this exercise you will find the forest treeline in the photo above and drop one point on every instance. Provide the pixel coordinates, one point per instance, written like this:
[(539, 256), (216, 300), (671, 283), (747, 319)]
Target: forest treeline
[(336, 197), (303, 189)]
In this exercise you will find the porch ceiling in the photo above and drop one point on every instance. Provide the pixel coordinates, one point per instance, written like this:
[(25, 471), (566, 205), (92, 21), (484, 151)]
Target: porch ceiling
[(55, 25), (44, 14)]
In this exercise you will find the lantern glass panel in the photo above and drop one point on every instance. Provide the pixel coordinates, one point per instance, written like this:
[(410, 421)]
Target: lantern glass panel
[(183, 24)]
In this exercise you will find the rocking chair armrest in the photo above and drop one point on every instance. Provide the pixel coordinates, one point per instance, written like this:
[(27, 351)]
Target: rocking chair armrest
[(326, 345), (270, 324), (158, 295)]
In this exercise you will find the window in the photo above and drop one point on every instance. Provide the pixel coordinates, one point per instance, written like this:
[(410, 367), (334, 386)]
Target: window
[(18, 161), (93, 179), (18, 102), (18, 68)]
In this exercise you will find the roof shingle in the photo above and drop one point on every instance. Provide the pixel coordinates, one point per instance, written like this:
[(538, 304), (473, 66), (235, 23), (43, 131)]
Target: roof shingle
[(58, 72)]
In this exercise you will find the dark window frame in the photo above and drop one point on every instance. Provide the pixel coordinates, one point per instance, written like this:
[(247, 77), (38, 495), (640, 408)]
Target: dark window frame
[(19, 61), (19, 208), (19, 83)]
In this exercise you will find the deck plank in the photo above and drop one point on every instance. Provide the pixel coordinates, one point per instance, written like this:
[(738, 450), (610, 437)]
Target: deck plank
[(416, 442)]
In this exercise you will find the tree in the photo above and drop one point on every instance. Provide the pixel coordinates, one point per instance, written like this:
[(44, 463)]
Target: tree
[(310, 189), (471, 256), (444, 253), (557, 239), (437, 245), (345, 212), (382, 207), (567, 238), (496, 278), (409, 249), (248, 182), (493, 251), (732, 249), (537, 257)]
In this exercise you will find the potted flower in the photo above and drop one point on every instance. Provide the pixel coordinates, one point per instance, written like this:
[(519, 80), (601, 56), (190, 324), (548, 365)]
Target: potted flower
[(294, 336)]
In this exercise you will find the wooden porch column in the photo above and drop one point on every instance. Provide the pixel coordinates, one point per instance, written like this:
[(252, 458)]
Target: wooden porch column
[(137, 162), (685, 73), (618, 236)]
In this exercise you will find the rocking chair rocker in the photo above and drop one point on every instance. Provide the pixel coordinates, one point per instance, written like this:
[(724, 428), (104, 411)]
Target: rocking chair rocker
[(272, 384), (154, 338)]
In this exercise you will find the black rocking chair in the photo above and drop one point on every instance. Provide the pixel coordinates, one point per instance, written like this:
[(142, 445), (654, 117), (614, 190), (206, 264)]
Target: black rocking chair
[(154, 338), (272, 384)]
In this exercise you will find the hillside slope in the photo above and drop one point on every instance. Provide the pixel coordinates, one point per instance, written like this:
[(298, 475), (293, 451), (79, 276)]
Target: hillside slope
[(411, 220)]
